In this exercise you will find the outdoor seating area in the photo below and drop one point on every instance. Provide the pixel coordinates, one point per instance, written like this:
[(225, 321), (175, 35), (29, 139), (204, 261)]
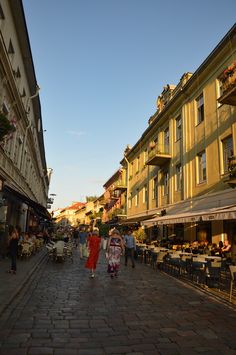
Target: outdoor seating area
[(59, 251), (27, 248), (211, 272)]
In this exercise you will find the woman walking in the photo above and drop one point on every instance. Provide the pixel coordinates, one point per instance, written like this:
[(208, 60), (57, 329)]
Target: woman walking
[(115, 247), (13, 248), (93, 245)]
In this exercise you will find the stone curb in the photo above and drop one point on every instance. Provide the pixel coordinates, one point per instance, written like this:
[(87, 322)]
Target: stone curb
[(23, 283)]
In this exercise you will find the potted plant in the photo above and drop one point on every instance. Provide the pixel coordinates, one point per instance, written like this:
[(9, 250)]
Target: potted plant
[(6, 127)]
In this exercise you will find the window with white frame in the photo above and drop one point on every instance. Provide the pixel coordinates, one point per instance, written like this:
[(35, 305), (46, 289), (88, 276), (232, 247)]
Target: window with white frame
[(178, 177), (200, 108), (227, 150), (178, 128), (137, 197), (201, 164)]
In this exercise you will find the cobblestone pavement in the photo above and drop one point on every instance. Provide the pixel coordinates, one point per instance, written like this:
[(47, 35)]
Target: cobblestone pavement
[(61, 311)]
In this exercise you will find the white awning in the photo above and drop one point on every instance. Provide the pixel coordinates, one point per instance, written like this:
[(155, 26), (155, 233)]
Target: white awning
[(219, 213)]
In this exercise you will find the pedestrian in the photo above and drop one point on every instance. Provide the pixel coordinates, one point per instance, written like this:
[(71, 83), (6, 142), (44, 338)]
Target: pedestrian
[(83, 235), (75, 237), (115, 248), (13, 247), (130, 247), (94, 246)]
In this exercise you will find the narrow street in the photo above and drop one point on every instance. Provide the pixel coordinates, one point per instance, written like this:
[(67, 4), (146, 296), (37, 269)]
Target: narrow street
[(64, 312)]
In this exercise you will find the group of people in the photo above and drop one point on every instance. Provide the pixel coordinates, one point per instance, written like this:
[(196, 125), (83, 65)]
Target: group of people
[(116, 246), (222, 249), (16, 238)]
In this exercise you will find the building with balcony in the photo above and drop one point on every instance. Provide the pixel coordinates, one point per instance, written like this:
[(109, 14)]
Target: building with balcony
[(23, 169), (180, 173), (115, 197)]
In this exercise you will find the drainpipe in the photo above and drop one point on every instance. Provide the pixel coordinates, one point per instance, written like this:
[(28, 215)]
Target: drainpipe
[(127, 182), (29, 124)]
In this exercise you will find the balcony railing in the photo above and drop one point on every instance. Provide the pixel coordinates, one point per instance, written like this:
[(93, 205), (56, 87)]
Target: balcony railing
[(228, 79), (120, 185), (159, 155)]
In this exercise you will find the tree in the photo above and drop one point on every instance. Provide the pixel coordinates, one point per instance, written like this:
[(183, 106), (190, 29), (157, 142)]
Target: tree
[(91, 198)]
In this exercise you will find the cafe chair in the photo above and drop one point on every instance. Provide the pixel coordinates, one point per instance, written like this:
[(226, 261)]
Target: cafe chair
[(160, 259), (25, 251), (213, 272), (232, 269)]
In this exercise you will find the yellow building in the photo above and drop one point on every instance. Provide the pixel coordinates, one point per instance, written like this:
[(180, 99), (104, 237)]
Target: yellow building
[(115, 197), (178, 173)]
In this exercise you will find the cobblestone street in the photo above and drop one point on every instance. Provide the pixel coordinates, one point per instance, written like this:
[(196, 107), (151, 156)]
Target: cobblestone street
[(64, 312)]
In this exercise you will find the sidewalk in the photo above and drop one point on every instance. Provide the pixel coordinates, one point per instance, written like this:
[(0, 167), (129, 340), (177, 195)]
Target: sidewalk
[(11, 284)]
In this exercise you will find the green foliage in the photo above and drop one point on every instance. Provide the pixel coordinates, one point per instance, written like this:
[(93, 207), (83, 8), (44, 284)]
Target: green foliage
[(6, 126), (140, 234), (91, 198), (104, 230)]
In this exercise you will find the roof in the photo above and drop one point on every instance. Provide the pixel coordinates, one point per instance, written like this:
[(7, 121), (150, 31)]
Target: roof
[(76, 206), (113, 178)]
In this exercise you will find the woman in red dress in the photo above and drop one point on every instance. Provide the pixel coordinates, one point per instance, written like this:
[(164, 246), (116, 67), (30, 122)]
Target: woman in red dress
[(93, 245)]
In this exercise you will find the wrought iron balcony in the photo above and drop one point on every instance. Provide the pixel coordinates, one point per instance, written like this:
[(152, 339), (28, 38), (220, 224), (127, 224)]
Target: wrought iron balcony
[(228, 79), (159, 155)]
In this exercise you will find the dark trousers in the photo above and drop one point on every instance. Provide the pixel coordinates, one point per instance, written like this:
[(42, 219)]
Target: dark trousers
[(129, 253), (13, 260)]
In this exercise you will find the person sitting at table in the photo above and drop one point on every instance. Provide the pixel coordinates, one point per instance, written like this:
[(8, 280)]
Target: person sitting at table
[(194, 247), (226, 248), (213, 249)]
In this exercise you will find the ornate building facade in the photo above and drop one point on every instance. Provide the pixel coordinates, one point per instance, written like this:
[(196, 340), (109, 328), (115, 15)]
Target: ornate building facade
[(180, 173), (23, 170)]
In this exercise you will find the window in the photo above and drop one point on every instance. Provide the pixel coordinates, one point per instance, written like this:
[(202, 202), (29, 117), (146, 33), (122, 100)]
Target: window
[(2, 17), (10, 48), (131, 170), (137, 164), (145, 194), (154, 188), (227, 149), (165, 183), (145, 156), (200, 109), (166, 141), (178, 127), (178, 177), (201, 167), (137, 197), (219, 89), (130, 200)]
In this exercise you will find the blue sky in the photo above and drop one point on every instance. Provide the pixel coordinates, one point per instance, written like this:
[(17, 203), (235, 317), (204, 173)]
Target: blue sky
[(101, 65)]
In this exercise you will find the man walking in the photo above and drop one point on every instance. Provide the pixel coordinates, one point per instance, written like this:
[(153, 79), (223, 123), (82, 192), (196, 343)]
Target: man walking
[(130, 247), (82, 243)]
